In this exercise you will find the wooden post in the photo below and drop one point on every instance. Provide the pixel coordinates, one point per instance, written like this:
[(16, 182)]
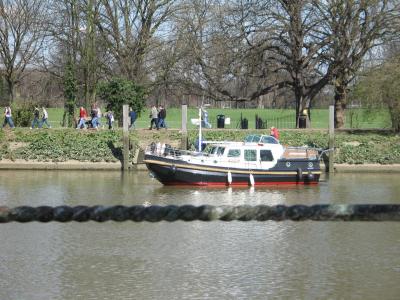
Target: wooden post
[(331, 137), (125, 124), (184, 144)]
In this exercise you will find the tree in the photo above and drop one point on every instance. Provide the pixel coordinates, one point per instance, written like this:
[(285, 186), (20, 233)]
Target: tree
[(127, 28), (380, 86), (75, 39), (300, 46), (353, 27), (70, 87), (118, 92), (63, 53), (2, 89), (21, 38), (217, 57), (89, 53), (257, 48)]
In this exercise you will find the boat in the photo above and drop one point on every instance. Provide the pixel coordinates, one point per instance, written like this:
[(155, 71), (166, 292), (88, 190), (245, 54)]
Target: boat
[(258, 160)]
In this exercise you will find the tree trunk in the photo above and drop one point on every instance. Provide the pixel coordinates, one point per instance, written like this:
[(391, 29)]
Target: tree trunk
[(260, 101), (303, 109), (90, 71), (298, 101), (395, 116), (340, 105), (68, 119), (10, 91)]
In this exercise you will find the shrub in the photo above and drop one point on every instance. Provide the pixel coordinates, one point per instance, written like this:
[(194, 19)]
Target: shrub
[(118, 92), (23, 114)]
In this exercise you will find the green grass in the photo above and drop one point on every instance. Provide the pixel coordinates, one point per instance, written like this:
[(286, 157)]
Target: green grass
[(281, 118)]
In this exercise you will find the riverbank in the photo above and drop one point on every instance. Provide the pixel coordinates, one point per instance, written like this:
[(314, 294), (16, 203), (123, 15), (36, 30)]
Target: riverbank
[(69, 149), (117, 166)]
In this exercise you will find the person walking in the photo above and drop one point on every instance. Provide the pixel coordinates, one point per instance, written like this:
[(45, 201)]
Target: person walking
[(93, 114), (82, 118), (35, 121), (99, 115), (132, 116), (110, 119), (45, 116), (8, 117), (162, 114), (154, 117)]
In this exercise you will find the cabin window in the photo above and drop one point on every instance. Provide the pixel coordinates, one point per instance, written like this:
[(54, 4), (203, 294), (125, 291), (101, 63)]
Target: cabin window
[(250, 155), (220, 151), (234, 153), (212, 150), (266, 155)]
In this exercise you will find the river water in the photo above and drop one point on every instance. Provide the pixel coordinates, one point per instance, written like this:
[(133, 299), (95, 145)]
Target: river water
[(196, 260)]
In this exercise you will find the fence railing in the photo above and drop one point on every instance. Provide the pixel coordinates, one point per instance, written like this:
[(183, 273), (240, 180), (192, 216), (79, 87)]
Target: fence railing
[(287, 121), (355, 117)]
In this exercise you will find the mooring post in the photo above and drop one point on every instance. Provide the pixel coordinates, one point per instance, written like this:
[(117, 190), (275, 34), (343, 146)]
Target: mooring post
[(184, 144), (331, 137), (125, 122)]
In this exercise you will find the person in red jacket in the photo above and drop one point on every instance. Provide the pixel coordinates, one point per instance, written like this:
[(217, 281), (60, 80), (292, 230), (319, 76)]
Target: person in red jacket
[(82, 118), (275, 132)]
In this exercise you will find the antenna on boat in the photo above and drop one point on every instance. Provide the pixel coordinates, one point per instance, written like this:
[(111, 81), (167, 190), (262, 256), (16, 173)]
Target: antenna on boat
[(200, 109)]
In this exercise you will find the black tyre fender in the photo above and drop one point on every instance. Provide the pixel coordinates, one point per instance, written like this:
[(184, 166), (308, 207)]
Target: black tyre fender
[(299, 174)]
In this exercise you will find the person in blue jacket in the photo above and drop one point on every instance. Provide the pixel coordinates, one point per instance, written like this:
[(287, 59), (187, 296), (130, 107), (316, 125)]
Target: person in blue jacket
[(132, 116)]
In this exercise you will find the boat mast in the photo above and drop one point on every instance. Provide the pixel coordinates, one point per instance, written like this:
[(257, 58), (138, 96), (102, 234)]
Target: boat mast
[(200, 110)]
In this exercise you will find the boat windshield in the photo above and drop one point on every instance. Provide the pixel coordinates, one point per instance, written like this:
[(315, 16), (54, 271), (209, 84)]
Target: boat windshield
[(265, 139), (252, 138)]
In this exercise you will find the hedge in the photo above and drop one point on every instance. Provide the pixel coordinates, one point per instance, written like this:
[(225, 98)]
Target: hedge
[(59, 145)]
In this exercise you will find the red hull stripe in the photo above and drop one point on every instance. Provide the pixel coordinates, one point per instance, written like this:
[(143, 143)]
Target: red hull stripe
[(243, 183)]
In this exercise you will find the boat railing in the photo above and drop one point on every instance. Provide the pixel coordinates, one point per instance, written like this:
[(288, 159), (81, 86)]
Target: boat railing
[(159, 149), (324, 152), (165, 150), (221, 142), (302, 152), (310, 152)]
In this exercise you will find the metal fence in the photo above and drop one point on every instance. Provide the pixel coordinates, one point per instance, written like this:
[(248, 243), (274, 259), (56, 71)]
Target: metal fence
[(286, 121)]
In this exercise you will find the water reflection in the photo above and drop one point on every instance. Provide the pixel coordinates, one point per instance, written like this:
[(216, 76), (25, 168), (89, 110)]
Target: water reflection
[(195, 260)]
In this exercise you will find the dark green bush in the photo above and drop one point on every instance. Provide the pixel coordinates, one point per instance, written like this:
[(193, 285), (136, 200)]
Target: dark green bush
[(105, 145), (118, 92), (23, 114)]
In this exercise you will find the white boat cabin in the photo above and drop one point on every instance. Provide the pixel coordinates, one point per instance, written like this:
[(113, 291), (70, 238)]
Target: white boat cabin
[(255, 152)]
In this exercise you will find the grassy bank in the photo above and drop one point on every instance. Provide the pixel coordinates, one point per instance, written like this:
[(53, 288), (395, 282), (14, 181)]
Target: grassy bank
[(281, 118), (60, 145)]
